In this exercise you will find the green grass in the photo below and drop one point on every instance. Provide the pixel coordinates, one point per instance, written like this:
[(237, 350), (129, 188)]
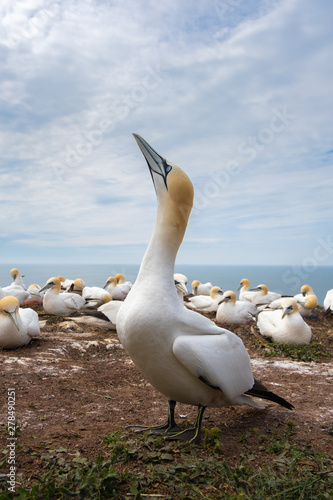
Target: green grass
[(314, 351), (143, 466)]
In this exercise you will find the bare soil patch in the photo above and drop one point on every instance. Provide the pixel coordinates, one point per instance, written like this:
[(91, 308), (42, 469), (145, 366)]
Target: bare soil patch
[(75, 384)]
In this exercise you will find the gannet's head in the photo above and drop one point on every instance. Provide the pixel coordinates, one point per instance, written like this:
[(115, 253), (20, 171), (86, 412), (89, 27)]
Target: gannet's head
[(53, 283), (195, 284), (14, 273), (77, 285), (120, 278), (181, 282), (174, 189), (260, 288), (289, 306), (61, 278), (215, 292), (309, 302), (244, 284), (9, 306), (306, 289), (229, 296), (110, 281)]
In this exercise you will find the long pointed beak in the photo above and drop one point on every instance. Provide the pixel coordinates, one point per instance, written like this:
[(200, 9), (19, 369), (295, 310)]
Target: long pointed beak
[(256, 289), (181, 287), (46, 287), (13, 315), (156, 162)]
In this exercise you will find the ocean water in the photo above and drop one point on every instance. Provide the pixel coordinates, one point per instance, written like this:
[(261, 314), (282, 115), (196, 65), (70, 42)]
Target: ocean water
[(286, 280)]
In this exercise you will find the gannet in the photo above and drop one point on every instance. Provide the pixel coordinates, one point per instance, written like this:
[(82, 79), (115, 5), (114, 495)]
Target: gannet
[(16, 275), (117, 291), (284, 326), (17, 326), (234, 312), (307, 306), (95, 296), (262, 296), (35, 297), (206, 303), (180, 282), (201, 288), (243, 288), (14, 291), (328, 300), (183, 354), (59, 303)]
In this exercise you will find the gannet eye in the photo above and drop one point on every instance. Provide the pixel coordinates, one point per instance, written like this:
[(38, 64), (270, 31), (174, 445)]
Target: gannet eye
[(168, 168)]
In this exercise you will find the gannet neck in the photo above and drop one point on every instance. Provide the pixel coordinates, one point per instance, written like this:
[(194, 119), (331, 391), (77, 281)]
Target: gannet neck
[(174, 192)]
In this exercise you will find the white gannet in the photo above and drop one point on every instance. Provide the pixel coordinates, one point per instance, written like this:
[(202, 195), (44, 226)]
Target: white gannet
[(234, 312), (95, 296), (117, 291), (199, 288), (328, 301), (16, 275), (181, 282), (59, 303), (284, 326), (307, 305), (14, 291), (35, 297), (206, 303), (262, 296), (243, 289), (17, 326), (183, 354)]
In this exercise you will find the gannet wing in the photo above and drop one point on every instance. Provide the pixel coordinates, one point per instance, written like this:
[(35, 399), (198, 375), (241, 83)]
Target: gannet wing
[(111, 309), (221, 361)]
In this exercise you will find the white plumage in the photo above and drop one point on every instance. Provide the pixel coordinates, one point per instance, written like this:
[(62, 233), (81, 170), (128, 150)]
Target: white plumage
[(234, 312), (199, 288), (17, 325), (206, 303), (183, 354), (286, 325), (328, 301), (58, 303)]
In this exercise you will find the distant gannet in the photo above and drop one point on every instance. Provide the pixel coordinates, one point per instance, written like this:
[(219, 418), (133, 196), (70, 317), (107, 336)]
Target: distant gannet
[(262, 296), (206, 303), (328, 300), (95, 296), (181, 282), (16, 275), (117, 291), (243, 288), (17, 326), (183, 354), (284, 326), (201, 288), (14, 291), (234, 312), (59, 303), (35, 297)]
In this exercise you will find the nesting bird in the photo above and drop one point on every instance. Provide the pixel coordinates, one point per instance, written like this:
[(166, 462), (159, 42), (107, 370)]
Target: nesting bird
[(199, 288), (285, 325), (235, 312), (183, 354), (17, 326), (116, 289), (206, 303), (59, 303)]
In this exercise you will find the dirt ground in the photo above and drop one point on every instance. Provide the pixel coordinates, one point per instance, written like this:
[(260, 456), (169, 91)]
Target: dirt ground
[(75, 384)]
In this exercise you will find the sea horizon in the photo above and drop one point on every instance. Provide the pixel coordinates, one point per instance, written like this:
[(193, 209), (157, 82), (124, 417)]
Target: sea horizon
[(283, 279)]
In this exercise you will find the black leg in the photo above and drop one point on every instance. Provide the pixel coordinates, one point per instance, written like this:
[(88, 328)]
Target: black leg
[(191, 435), (169, 426)]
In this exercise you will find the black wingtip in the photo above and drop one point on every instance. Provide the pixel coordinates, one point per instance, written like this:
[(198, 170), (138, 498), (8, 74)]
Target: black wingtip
[(259, 391)]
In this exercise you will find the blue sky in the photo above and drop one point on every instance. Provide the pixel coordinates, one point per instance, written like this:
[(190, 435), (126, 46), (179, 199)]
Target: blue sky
[(236, 92)]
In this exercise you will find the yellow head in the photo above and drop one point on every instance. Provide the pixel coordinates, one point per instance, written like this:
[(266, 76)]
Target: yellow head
[(9, 307), (244, 284)]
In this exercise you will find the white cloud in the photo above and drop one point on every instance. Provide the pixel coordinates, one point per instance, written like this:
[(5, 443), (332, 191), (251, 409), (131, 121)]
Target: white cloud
[(204, 82)]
